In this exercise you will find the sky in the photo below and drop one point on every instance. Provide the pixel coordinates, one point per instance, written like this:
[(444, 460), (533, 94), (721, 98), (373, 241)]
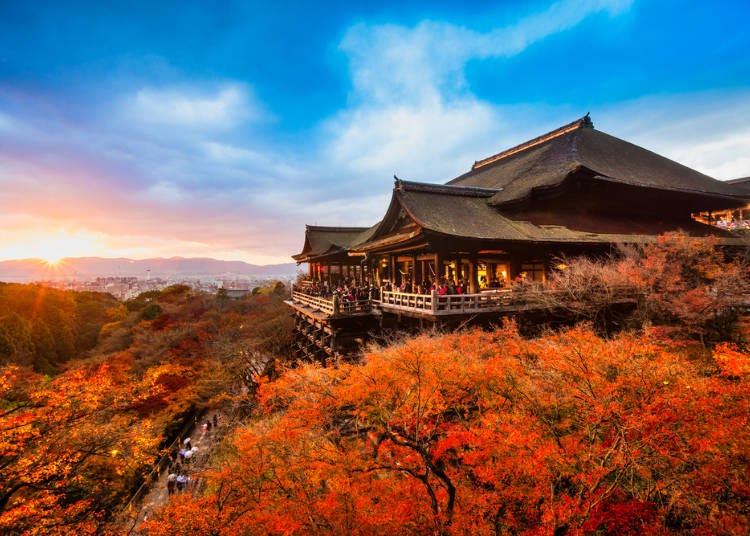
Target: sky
[(219, 129)]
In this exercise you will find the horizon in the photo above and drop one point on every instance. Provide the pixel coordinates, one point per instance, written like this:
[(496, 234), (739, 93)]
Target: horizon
[(62, 260), (188, 131)]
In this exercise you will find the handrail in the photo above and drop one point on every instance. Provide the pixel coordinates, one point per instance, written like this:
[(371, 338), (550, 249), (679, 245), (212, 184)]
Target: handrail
[(452, 303), (516, 298), (333, 306)]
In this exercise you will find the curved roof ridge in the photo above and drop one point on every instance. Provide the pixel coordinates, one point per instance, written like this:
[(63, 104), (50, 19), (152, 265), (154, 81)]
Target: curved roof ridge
[(450, 189), (583, 122), (334, 228)]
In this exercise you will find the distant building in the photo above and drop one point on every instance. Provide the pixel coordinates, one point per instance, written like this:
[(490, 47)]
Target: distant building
[(237, 293)]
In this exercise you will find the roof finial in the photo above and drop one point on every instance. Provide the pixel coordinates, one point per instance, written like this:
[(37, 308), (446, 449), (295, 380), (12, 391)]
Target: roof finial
[(395, 178), (586, 121)]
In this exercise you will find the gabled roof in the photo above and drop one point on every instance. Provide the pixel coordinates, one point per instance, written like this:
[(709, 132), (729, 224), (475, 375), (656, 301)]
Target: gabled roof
[(320, 241), (741, 183), (481, 204), (464, 213), (545, 162)]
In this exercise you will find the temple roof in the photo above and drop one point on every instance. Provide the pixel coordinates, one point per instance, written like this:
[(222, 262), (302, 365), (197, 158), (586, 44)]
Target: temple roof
[(482, 205), (742, 183), (464, 213), (321, 241), (545, 162)]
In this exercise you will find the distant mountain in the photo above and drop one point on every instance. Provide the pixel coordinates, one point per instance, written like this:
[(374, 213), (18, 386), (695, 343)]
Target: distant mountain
[(86, 268)]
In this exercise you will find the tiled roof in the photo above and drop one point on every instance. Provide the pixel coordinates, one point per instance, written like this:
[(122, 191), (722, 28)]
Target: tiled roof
[(321, 240), (458, 213), (548, 160)]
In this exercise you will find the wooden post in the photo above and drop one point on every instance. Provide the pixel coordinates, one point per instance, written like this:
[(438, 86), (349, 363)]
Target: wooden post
[(434, 296), (473, 271)]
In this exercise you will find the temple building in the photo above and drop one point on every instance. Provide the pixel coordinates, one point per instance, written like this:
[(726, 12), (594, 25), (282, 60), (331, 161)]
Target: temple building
[(572, 191)]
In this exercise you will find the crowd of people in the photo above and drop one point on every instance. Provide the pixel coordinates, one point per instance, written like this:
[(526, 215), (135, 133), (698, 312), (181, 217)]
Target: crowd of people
[(733, 224), (182, 457), (349, 290)]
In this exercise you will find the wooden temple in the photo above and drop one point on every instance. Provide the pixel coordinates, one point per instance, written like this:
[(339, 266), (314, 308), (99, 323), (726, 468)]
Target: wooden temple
[(572, 191)]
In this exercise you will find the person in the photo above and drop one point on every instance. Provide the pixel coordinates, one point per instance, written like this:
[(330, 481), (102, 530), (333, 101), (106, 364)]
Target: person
[(208, 426), (171, 479), (187, 442), (188, 456), (444, 290), (216, 420), (181, 481), (204, 428)]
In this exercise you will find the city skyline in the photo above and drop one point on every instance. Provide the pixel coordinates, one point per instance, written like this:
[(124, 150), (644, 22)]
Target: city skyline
[(219, 130)]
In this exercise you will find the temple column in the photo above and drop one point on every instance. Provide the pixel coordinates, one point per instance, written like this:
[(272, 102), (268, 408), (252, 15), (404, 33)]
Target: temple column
[(473, 271)]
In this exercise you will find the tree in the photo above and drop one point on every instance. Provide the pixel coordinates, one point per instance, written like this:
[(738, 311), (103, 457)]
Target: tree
[(70, 449), (685, 285), (488, 433)]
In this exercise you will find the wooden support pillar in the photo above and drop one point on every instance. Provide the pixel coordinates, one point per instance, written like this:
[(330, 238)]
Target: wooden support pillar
[(393, 279), (473, 275), (439, 268)]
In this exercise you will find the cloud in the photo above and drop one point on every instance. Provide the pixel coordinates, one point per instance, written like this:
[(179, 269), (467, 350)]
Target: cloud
[(197, 167), (391, 63), (707, 130), (411, 111), (223, 108)]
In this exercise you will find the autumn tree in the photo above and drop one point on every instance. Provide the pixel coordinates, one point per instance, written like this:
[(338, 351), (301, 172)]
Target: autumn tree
[(44, 328), (488, 433), (70, 448), (686, 285)]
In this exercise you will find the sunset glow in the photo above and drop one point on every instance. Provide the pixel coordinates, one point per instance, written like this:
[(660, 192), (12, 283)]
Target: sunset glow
[(169, 147), (51, 247)]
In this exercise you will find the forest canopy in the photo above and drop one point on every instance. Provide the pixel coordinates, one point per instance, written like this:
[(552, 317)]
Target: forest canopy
[(76, 445)]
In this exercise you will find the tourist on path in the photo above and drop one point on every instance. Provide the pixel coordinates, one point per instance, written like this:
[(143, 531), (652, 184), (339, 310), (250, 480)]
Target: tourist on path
[(171, 482)]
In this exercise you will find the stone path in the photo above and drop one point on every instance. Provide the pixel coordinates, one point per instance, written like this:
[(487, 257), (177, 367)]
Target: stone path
[(158, 494)]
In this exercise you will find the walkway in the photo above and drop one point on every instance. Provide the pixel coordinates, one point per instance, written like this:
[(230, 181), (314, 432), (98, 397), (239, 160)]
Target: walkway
[(158, 494)]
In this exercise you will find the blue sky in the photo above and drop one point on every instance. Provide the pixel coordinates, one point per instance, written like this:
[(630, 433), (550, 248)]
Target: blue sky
[(220, 128)]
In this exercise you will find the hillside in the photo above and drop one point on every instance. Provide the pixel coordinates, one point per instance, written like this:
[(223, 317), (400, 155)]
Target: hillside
[(76, 444)]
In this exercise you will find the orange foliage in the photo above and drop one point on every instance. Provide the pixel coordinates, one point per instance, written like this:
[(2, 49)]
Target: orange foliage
[(478, 433), (68, 448), (683, 284)]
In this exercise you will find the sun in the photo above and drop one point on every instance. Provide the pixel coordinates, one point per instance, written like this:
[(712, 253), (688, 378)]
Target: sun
[(51, 260), (51, 247)]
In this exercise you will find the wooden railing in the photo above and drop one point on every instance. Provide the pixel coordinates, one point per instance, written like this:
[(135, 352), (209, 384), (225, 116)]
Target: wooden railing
[(333, 306), (420, 303), (452, 303), (516, 299)]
